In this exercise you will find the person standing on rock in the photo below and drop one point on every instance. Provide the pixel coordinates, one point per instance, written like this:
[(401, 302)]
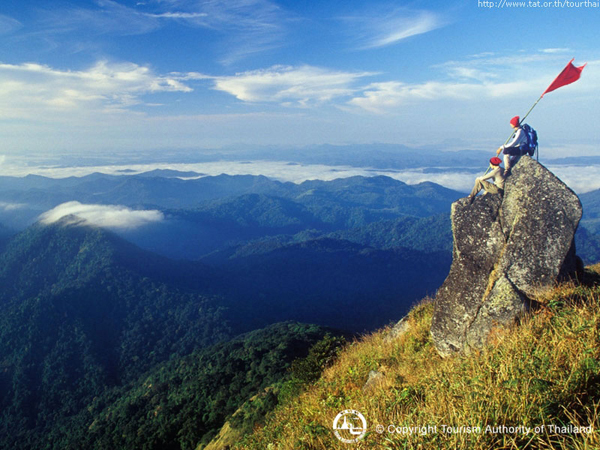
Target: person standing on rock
[(497, 187), (513, 150)]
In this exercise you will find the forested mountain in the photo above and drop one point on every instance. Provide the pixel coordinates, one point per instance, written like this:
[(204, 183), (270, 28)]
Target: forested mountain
[(79, 314), (331, 282), (427, 234)]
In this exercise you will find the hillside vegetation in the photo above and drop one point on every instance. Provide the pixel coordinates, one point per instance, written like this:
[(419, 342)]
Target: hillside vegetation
[(184, 401), (543, 373), (174, 405)]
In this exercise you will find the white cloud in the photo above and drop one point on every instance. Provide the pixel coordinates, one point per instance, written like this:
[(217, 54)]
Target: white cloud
[(482, 55), (37, 91), (382, 27), (29, 90), (178, 15), (555, 50), (384, 97), (293, 85), (581, 179), (461, 72), (4, 206), (108, 216), (400, 28), (482, 77)]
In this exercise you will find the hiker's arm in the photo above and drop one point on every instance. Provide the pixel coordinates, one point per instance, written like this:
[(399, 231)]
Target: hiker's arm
[(515, 138), (488, 175)]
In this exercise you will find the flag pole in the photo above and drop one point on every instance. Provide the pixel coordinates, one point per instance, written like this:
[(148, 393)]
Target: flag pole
[(531, 109)]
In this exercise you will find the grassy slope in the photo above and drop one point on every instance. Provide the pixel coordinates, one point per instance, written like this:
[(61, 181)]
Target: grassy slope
[(546, 372)]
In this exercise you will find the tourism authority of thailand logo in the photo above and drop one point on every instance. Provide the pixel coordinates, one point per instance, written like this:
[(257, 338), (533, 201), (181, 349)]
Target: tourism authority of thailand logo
[(350, 426)]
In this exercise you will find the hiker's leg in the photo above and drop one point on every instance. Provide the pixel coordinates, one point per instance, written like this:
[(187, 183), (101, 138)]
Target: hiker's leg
[(509, 154), (490, 187), (478, 186)]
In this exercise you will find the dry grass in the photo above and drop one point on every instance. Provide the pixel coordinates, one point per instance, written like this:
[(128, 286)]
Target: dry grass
[(543, 373)]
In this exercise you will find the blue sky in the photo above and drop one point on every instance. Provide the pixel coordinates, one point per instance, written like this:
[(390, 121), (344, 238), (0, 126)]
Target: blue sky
[(93, 76)]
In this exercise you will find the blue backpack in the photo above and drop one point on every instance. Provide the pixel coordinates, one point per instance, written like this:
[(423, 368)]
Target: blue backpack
[(532, 140)]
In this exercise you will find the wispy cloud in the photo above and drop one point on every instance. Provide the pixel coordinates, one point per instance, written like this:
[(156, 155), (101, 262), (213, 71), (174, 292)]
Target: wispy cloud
[(381, 27), (112, 17), (107, 216), (8, 24), (288, 85), (503, 63), (482, 55), (251, 26), (179, 15), (243, 27), (109, 17), (30, 89), (481, 77)]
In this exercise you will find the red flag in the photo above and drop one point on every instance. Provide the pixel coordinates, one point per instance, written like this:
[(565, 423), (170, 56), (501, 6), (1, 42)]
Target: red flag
[(570, 74)]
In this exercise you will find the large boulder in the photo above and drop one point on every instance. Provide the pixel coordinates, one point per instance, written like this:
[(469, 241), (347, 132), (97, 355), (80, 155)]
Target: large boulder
[(506, 249)]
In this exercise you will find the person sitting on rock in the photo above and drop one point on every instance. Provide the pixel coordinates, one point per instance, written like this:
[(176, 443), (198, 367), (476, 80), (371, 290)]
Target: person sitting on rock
[(512, 150), (497, 187)]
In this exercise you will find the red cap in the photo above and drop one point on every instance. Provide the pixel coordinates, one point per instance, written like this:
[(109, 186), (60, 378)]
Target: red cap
[(495, 161), (515, 121)]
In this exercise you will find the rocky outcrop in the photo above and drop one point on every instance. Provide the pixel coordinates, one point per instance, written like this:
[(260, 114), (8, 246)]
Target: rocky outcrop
[(399, 329), (505, 250), (374, 379)]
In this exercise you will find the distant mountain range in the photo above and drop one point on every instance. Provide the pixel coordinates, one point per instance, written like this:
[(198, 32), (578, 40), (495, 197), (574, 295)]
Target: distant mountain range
[(211, 214), (206, 213)]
